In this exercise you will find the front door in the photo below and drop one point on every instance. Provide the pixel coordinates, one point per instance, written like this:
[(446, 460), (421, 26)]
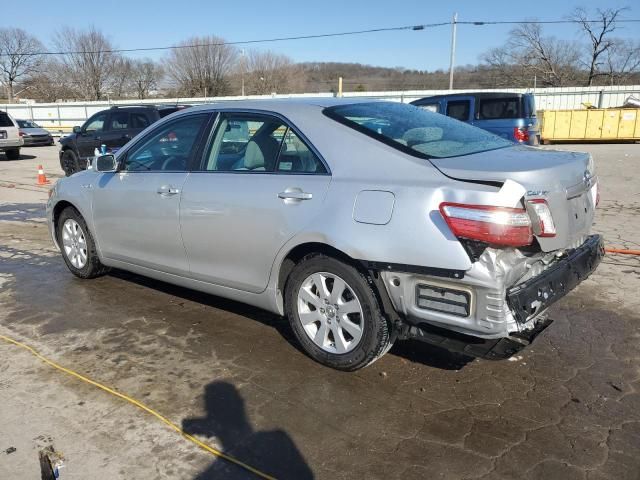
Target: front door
[(136, 210), (258, 185), (91, 134)]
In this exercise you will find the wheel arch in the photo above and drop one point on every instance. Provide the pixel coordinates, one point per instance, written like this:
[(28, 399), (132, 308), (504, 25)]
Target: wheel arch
[(301, 250)]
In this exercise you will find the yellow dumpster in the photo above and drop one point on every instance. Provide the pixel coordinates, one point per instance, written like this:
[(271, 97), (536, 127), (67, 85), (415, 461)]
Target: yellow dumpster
[(591, 124)]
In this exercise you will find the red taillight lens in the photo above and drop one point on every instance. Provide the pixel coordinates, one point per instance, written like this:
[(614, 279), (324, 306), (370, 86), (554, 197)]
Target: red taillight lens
[(493, 225), (521, 134), (545, 227)]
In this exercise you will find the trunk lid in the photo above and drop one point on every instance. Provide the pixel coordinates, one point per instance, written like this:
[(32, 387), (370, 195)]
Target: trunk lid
[(564, 179)]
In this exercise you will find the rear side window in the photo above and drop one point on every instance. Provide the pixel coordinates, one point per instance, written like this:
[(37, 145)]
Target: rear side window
[(5, 121), (245, 143), (119, 121), (296, 157), (495, 108), (139, 120), (431, 107), (458, 109)]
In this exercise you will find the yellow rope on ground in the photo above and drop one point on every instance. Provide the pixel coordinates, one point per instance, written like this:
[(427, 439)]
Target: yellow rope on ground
[(142, 406)]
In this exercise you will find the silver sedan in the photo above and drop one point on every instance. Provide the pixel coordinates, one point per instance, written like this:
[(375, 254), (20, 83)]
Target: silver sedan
[(364, 222)]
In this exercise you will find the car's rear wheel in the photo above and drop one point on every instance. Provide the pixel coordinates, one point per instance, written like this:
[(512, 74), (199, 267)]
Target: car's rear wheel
[(13, 154), (334, 313), (69, 163), (77, 245)]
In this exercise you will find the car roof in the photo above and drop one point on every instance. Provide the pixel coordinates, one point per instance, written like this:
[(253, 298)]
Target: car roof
[(474, 94), (280, 104)]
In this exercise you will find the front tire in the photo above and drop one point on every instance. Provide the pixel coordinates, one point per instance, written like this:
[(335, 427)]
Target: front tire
[(13, 154), (69, 163), (77, 245), (335, 314)]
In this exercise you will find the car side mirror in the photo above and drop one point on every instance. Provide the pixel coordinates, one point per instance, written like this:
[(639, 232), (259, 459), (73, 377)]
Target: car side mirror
[(105, 163), (77, 129)]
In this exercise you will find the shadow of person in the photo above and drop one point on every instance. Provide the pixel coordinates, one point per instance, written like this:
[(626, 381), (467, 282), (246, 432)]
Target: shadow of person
[(272, 452)]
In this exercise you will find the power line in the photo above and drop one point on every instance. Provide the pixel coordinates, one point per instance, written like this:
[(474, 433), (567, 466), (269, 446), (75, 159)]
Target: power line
[(320, 35)]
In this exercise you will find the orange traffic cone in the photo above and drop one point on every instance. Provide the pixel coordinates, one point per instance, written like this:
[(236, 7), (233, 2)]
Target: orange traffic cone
[(42, 178)]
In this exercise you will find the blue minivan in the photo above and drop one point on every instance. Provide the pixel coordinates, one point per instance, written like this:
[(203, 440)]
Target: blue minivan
[(508, 115)]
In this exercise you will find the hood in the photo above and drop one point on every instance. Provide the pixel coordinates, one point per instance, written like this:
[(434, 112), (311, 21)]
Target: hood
[(565, 180), (35, 131)]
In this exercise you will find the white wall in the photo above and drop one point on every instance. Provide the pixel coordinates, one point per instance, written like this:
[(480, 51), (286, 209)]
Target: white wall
[(67, 114)]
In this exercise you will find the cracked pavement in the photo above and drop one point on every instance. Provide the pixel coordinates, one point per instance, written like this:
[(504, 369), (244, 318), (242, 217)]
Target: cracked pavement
[(567, 407)]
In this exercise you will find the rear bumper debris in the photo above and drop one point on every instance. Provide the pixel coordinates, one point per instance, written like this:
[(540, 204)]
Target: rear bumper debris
[(533, 296)]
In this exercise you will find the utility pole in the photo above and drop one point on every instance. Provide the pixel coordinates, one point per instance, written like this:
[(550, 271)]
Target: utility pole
[(454, 24), (242, 69)]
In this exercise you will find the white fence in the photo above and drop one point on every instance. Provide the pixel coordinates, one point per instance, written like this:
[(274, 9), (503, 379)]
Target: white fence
[(63, 115)]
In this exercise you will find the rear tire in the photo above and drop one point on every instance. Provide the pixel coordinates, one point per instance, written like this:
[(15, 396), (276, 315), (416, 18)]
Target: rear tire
[(77, 245), (69, 163), (340, 327), (13, 154)]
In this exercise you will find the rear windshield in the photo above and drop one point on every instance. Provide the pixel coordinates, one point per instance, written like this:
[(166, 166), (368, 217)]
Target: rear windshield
[(414, 130), (5, 121), (494, 108)]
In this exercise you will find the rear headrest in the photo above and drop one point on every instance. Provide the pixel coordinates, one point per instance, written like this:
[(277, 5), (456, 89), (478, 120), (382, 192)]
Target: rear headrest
[(422, 135)]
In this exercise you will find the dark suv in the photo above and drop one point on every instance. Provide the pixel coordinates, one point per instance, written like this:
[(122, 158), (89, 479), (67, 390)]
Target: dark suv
[(113, 127)]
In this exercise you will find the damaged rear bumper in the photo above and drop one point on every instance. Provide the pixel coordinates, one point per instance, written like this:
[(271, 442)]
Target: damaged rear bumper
[(529, 298), (487, 313)]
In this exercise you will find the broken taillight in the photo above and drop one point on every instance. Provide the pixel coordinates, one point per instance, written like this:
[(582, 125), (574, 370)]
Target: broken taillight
[(546, 227), (493, 225)]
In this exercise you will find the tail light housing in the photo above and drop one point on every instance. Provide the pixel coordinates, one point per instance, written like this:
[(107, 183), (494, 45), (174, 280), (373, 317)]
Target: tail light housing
[(544, 220), (493, 225), (521, 134)]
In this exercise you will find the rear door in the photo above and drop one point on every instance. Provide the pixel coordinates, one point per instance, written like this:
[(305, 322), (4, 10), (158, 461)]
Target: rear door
[(260, 182), (136, 210), (117, 132)]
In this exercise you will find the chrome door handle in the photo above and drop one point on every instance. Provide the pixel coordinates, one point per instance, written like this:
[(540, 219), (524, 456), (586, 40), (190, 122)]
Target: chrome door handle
[(167, 190), (295, 195)]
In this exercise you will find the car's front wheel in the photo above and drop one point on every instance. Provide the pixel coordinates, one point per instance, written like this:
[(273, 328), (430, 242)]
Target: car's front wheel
[(77, 245), (69, 163), (334, 313)]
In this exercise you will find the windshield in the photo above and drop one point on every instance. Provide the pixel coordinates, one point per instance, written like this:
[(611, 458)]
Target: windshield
[(416, 131), (27, 124)]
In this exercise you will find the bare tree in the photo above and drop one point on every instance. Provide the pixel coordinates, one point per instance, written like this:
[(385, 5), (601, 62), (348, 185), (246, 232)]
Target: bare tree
[(50, 83), (201, 65), (622, 61), (269, 72), (88, 62), (145, 76), (599, 35), (17, 57), (119, 78), (528, 53)]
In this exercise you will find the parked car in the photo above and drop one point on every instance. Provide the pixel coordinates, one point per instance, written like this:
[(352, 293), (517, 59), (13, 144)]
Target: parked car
[(10, 139), (364, 222), (113, 127), (508, 115), (33, 134)]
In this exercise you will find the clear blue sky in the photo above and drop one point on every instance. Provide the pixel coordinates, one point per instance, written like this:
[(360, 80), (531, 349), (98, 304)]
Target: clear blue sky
[(134, 23)]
